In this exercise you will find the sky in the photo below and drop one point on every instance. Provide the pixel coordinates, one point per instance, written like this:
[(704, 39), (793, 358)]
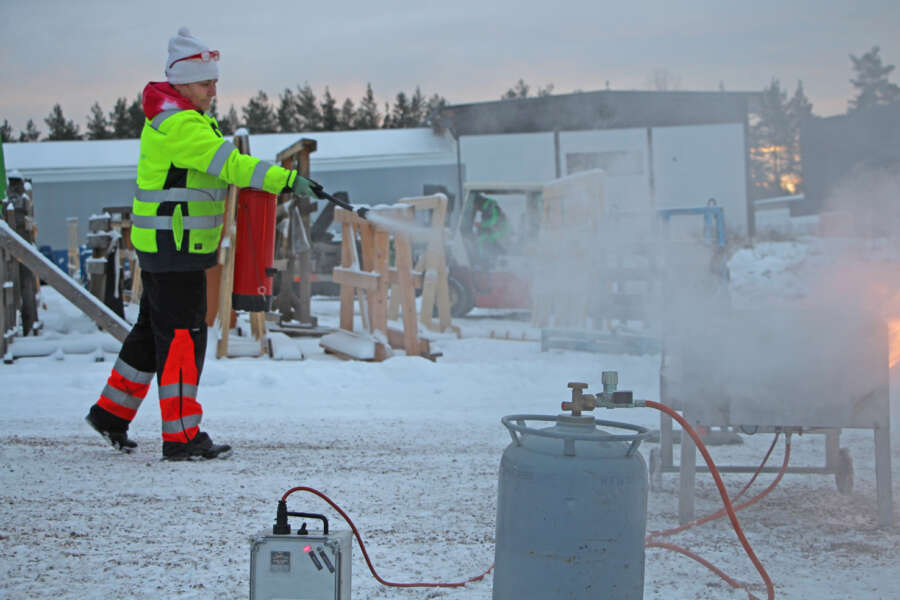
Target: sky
[(76, 53)]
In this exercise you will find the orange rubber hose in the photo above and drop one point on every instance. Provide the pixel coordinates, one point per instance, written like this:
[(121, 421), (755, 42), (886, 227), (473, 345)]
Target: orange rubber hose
[(770, 588)]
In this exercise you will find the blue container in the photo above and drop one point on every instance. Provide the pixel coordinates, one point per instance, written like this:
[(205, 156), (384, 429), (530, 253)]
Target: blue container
[(571, 511)]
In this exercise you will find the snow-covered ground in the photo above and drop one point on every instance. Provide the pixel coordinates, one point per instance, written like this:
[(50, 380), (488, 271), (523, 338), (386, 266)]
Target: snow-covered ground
[(409, 448)]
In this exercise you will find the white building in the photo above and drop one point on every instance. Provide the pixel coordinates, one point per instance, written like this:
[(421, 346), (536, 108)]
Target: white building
[(81, 178), (659, 149)]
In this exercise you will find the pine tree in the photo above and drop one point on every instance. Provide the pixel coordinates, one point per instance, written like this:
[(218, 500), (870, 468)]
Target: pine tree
[(136, 117), (871, 81), (213, 109), (347, 116), (799, 109), (417, 109), (433, 113), (234, 119), (367, 115), (259, 116), (329, 112), (308, 109), (6, 133), (60, 128), (547, 90), (400, 115), (127, 120), (230, 122), (31, 132), (118, 119), (288, 118), (520, 90), (97, 124), (388, 122), (772, 144)]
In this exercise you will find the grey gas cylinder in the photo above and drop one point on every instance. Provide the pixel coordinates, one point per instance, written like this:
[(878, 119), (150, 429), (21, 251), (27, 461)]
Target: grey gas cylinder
[(571, 511)]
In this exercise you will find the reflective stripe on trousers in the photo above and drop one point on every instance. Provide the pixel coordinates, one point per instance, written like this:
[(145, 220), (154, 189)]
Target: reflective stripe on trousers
[(181, 413), (125, 389)]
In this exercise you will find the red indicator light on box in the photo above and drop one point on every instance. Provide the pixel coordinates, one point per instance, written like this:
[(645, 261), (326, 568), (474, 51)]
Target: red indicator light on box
[(307, 549)]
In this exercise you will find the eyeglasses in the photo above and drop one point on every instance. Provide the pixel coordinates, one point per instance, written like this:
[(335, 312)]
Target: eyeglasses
[(205, 56)]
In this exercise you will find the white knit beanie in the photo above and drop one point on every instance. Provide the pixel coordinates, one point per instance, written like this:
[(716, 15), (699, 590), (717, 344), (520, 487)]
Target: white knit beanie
[(195, 69)]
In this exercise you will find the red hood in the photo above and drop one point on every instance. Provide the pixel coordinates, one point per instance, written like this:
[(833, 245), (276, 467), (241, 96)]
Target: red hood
[(160, 95)]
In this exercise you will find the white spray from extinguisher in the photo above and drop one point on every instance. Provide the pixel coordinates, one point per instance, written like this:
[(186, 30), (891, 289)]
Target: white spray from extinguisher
[(415, 231)]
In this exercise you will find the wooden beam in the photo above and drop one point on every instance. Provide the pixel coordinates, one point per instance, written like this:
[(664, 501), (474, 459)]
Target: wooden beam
[(226, 258), (296, 148), (403, 254), (74, 293), (358, 279), (415, 277), (347, 292)]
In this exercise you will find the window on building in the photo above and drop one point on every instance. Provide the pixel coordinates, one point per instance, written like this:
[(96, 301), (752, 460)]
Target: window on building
[(619, 162)]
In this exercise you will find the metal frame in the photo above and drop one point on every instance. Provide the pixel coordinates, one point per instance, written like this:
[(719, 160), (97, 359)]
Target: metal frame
[(687, 467)]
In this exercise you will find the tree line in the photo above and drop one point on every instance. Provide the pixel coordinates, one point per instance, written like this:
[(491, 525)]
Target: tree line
[(775, 165), (775, 161), (293, 111)]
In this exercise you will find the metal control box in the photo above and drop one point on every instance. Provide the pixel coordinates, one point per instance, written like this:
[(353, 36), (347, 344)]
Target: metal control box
[(300, 567)]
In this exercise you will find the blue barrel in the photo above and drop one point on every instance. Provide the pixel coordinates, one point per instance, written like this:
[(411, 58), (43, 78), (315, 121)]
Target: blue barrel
[(571, 511)]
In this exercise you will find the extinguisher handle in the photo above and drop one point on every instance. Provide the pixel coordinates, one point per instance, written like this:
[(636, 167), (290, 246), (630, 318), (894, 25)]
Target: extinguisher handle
[(321, 194)]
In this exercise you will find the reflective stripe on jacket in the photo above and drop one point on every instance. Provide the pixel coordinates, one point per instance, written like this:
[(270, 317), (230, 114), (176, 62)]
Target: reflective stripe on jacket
[(183, 170)]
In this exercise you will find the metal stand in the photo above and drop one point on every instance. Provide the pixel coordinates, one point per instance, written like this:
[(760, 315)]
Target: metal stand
[(837, 462)]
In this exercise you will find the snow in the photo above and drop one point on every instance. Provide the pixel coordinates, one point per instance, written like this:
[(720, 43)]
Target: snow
[(408, 447)]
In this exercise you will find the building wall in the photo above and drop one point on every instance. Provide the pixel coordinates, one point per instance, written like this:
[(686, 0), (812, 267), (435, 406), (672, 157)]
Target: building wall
[(674, 167), (513, 157), (692, 164), (385, 185), (621, 153), (56, 201)]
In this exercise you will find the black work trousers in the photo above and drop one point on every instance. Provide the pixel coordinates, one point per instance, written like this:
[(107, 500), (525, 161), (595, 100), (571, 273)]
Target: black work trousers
[(169, 301)]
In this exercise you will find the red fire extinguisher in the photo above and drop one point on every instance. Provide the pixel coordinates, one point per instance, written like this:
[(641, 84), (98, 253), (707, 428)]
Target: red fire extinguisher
[(255, 252)]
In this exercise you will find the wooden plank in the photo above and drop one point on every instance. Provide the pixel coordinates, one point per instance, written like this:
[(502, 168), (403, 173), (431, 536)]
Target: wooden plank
[(367, 263), (258, 328), (74, 293), (304, 261), (443, 296), (299, 146), (358, 279), (415, 277), (137, 286), (72, 233), (378, 303), (396, 339), (435, 289), (348, 242), (403, 255), (226, 258)]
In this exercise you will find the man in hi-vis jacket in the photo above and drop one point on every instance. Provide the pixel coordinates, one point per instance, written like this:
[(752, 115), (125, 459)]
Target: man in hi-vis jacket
[(177, 215)]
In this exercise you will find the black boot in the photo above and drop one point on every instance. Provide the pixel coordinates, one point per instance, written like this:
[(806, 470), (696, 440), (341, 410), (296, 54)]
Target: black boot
[(199, 448), (113, 429)]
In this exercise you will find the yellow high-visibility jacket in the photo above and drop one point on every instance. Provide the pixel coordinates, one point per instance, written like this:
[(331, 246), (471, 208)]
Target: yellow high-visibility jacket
[(183, 171)]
